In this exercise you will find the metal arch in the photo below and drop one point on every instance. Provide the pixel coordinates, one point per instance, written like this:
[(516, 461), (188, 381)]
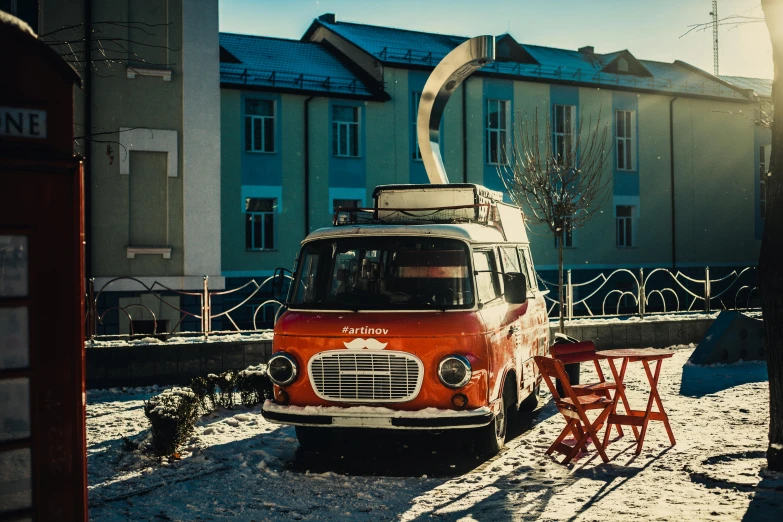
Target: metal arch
[(750, 289), (280, 306), (452, 70), (606, 279), (151, 290), (622, 294), (119, 309), (663, 298)]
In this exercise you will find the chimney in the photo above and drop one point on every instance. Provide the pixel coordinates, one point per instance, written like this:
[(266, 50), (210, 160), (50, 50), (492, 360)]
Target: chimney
[(589, 50), (328, 18)]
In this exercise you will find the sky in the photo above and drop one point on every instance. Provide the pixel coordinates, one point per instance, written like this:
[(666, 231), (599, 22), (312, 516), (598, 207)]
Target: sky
[(650, 29)]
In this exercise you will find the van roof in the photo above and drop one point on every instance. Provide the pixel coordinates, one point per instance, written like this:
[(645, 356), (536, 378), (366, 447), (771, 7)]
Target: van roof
[(470, 232)]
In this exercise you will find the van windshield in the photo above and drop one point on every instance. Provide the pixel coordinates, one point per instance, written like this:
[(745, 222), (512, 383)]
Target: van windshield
[(389, 273)]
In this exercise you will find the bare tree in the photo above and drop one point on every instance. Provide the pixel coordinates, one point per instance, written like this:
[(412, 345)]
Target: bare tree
[(770, 267), (559, 181), (99, 49)]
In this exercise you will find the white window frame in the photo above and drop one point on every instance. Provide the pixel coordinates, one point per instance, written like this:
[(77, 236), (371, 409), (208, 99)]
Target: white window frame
[(500, 132), (493, 275), (252, 118), (348, 127), (764, 152), (251, 216), (568, 132), (567, 233), (626, 164), (416, 99), (625, 220)]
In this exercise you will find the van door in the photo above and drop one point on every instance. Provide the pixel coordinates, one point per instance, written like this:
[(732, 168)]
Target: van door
[(493, 312), (538, 307)]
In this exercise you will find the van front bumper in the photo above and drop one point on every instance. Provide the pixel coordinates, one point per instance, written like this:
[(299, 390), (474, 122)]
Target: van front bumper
[(375, 417)]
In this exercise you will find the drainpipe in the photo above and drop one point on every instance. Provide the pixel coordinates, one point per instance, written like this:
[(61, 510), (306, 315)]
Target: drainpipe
[(307, 165), (671, 171), (87, 152), (464, 133)]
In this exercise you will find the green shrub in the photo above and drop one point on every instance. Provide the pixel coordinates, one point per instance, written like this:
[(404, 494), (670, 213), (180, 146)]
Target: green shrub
[(226, 384), (253, 385), (173, 415), (204, 390)]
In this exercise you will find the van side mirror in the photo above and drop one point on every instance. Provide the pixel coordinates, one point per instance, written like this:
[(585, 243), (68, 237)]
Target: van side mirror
[(278, 283), (516, 288)]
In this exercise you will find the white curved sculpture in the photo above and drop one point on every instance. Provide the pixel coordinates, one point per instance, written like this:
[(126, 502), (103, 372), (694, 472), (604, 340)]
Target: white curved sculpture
[(460, 63)]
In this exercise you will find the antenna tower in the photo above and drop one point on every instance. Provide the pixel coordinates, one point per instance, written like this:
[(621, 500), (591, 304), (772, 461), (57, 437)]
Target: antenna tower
[(714, 15)]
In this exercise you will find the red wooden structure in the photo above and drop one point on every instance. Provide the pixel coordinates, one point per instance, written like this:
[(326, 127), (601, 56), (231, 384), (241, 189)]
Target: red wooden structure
[(574, 408), (638, 418), (42, 433)]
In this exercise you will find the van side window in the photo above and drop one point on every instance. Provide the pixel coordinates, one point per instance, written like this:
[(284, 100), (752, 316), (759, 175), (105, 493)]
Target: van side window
[(527, 267), (486, 276), (508, 256)]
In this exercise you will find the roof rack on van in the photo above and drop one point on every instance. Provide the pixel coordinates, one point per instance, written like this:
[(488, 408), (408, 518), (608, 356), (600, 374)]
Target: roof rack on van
[(440, 203), (414, 215)]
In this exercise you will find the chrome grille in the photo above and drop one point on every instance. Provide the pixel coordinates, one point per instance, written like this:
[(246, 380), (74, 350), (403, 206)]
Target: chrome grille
[(365, 376)]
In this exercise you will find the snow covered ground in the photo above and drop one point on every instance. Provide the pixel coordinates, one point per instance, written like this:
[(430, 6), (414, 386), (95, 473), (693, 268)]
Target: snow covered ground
[(239, 467)]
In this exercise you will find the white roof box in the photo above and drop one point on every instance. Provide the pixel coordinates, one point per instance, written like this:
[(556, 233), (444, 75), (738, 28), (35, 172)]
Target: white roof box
[(464, 201), (447, 203)]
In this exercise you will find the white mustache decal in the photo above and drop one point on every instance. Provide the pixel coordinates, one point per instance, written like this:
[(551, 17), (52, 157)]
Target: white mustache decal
[(370, 344)]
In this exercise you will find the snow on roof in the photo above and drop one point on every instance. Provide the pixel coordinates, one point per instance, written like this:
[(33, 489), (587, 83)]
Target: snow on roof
[(471, 232), (761, 86), (414, 48), (287, 64)]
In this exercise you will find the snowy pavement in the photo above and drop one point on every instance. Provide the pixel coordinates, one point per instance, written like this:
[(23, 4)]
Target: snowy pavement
[(239, 467)]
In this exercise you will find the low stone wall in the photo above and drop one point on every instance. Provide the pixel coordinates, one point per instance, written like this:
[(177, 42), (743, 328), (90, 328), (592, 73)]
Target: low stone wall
[(638, 333), (164, 364)]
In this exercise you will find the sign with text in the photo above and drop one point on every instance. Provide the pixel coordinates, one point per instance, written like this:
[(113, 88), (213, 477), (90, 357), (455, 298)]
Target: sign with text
[(22, 123)]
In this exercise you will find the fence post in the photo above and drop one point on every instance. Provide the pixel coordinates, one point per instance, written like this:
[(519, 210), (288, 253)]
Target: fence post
[(569, 297), (91, 316), (707, 289), (642, 297), (206, 321)]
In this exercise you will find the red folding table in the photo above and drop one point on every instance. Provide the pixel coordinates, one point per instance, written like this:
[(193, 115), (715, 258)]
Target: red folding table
[(637, 418)]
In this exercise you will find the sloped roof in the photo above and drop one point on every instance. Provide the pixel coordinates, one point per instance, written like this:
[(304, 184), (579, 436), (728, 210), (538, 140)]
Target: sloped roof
[(401, 47), (761, 86), (17, 29), (289, 65)]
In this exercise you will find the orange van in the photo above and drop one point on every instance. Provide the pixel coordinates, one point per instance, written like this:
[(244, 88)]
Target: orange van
[(420, 313)]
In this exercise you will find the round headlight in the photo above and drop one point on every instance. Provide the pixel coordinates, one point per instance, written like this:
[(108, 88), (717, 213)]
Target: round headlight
[(281, 369), (454, 371)]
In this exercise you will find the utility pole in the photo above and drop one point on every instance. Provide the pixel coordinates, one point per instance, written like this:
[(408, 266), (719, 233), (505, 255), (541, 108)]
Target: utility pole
[(714, 15)]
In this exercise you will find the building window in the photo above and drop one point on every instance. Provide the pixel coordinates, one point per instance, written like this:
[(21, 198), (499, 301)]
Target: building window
[(626, 231), (624, 126), (416, 150), (497, 131), (563, 130), (345, 131), (345, 203), (259, 125), (567, 234), (260, 223), (763, 163)]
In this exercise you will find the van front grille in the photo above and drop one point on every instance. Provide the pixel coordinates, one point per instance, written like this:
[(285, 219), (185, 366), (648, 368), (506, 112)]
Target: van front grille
[(365, 376)]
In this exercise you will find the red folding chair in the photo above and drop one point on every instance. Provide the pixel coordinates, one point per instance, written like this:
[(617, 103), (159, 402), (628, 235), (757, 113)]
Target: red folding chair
[(574, 408), (584, 351)]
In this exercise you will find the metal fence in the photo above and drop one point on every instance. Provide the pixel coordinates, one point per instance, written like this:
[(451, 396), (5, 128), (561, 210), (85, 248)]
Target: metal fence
[(660, 291), (202, 310), (617, 293)]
